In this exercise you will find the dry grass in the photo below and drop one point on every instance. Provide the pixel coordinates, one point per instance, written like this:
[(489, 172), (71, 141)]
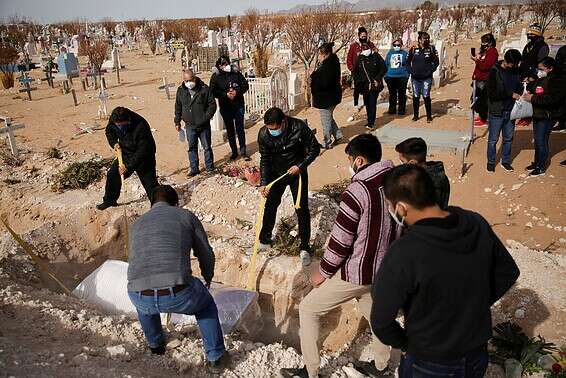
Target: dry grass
[(335, 190), (79, 175), (54, 153)]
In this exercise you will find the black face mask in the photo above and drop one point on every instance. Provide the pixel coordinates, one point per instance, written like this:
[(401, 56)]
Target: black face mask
[(363, 40), (531, 37)]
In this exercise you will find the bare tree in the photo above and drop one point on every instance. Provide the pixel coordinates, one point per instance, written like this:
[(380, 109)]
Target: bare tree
[(333, 23), (458, 17), (73, 27), (508, 15), (373, 25), (215, 23), (189, 31), (132, 25), (396, 22), (545, 11), (151, 32), (428, 12), (488, 17), (8, 56), (97, 50), (260, 31), (18, 31)]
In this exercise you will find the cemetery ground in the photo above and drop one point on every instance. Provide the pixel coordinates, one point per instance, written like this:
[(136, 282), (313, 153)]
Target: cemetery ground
[(49, 334)]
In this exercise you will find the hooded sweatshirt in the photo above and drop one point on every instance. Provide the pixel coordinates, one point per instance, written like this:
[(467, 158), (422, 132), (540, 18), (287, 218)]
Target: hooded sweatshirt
[(444, 273), (436, 171)]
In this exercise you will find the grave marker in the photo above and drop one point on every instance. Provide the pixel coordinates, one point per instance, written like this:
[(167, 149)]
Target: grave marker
[(165, 87), (102, 97), (25, 80), (74, 97), (9, 131)]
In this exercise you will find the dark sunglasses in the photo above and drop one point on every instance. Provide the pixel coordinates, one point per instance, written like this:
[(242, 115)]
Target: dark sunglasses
[(396, 45)]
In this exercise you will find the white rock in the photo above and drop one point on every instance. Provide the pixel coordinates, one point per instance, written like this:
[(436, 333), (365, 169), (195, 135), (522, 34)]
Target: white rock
[(238, 184), (520, 313), (529, 224), (175, 343), (534, 208), (208, 218), (293, 233), (487, 190), (516, 186), (116, 351)]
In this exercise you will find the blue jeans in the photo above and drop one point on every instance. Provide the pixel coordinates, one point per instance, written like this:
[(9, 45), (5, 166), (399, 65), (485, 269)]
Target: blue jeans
[(329, 126), (466, 367), (421, 87), (541, 131), (370, 101), (204, 135), (234, 123), (192, 300), (500, 125)]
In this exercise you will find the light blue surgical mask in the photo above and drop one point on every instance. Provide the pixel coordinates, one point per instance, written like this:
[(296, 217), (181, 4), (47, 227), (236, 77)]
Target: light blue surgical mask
[(396, 48), (275, 132)]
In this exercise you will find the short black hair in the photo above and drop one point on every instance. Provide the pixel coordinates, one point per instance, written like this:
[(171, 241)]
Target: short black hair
[(366, 145), (165, 193), (361, 30), (423, 34), (120, 114), (326, 48), (222, 60), (513, 56), (411, 184), (413, 149), (548, 62), (273, 116), (489, 38)]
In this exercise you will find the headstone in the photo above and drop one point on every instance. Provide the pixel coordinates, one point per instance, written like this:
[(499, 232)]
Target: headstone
[(8, 129), (68, 65), (212, 40), (102, 108), (114, 62), (74, 47), (217, 127), (29, 47), (438, 74)]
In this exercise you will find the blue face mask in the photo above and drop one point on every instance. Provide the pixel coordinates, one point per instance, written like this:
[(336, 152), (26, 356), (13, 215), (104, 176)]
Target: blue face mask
[(276, 132)]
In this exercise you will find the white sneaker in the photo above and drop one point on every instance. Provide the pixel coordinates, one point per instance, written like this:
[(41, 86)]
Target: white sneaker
[(305, 258), (260, 248)]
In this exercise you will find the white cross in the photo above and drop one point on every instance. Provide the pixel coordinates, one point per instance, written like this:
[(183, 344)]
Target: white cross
[(102, 97), (9, 130)]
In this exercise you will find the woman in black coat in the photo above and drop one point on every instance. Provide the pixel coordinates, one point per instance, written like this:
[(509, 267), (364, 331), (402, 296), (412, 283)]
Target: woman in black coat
[(368, 74), (327, 92)]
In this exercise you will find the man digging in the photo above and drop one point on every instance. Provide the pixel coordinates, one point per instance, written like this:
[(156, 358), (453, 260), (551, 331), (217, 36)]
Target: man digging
[(131, 132), (287, 147)]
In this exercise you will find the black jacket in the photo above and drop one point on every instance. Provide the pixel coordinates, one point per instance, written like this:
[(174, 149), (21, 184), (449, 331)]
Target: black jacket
[(533, 53), (296, 146), (444, 274), (136, 141), (221, 82), (368, 70), (548, 96), (436, 171), (501, 84), (423, 61), (325, 83), (196, 111)]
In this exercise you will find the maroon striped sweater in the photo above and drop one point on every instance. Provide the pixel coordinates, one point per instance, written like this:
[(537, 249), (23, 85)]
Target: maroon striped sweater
[(363, 228)]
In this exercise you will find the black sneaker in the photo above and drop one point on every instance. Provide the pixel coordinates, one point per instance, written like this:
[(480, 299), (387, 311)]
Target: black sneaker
[(415, 118), (507, 167), (233, 157), (193, 173), (294, 373), (246, 157), (531, 167), (563, 163), (428, 119), (490, 168), (105, 205), (391, 111), (369, 369), (401, 112), (370, 127), (160, 350), (218, 366), (537, 172)]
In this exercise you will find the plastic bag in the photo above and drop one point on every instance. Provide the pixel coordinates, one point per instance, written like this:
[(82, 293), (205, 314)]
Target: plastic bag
[(182, 135), (521, 109)]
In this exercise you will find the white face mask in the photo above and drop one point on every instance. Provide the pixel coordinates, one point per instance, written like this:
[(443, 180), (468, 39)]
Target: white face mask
[(353, 170), (227, 68), (396, 48), (400, 222), (541, 74), (190, 84), (366, 52)]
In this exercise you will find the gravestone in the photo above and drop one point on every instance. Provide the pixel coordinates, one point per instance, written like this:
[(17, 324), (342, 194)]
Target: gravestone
[(114, 62), (217, 127), (74, 47), (438, 75), (102, 108), (29, 48), (68, 65), (212, 39), (8, 129)]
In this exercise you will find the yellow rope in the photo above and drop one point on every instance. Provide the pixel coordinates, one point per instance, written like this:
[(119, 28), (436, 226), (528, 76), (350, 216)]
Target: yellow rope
[(258, 224), (28, 248), (118, 152)]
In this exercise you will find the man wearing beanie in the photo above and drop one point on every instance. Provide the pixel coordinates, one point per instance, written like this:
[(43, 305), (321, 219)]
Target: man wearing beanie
[(535, 50)]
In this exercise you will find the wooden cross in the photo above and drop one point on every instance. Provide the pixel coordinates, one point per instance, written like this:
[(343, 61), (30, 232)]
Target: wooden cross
[(25, 80), (102, 109), (9, 130), (166, 87)]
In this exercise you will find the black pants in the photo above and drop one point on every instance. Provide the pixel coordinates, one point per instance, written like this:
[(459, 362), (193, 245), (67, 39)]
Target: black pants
[(370, 101), (397, 94), (146, 173), (303, 214)]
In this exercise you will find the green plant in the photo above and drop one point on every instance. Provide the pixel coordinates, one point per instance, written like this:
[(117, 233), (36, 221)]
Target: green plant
[(335, 190), (54, 153), (286, 244), (79, 175), (510, 341)]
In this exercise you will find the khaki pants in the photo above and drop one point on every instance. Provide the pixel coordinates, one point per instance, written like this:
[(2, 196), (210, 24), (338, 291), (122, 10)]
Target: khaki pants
[(330, 295)]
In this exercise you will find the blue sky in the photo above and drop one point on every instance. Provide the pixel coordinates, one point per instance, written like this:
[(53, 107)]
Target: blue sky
[(61, 10)]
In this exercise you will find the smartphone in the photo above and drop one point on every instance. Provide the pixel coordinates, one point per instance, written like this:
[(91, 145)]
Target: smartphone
[(473, 51)]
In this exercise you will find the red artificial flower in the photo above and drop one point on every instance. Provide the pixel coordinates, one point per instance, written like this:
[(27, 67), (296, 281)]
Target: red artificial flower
[(556, 368)]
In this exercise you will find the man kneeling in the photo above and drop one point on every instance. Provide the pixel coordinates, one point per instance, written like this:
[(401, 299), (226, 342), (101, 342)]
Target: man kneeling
[(160, 279)]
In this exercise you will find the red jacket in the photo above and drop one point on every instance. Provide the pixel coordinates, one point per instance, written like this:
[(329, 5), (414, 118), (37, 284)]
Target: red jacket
[(485, 61), (353, 52)]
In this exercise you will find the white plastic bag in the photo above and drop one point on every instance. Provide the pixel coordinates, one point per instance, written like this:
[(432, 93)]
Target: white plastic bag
[(181, 135), (521, 109)]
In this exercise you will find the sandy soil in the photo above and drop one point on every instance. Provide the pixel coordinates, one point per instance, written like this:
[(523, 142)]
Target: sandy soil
[(44, 333)]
